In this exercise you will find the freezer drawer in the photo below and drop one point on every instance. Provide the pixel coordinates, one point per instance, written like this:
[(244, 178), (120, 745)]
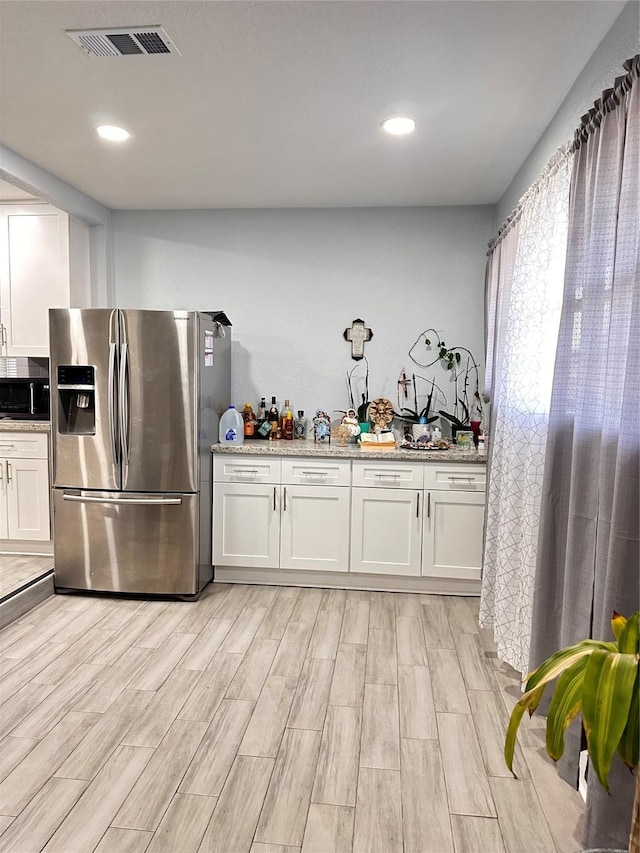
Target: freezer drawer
[(131, 543)]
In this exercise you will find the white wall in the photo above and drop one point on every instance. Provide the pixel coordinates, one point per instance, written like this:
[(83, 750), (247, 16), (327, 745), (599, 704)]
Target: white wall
[(37, 181), (291, 281), (620, 43)]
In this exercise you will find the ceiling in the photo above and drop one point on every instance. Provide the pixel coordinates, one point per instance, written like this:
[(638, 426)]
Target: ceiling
[(279, 104)]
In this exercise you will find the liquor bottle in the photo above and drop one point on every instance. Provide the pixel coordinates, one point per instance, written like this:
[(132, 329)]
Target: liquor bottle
[(283, 414), (274, 419), (300, 425), (263, 427), (287, 424), (249, 421)]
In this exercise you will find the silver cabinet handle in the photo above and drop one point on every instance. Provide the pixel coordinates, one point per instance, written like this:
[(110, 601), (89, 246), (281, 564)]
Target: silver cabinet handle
[(428, 504), (32, 399), (274, 498), (468, 479), (9, 472), (1, 477), (316, 473), (387, 474), (124, 501), (417, 504), (284, 506), (245, 471), (7, 447)]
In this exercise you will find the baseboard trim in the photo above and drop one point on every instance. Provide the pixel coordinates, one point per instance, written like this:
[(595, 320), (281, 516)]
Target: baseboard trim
[(332, 580), (17, 604), (27, 547)]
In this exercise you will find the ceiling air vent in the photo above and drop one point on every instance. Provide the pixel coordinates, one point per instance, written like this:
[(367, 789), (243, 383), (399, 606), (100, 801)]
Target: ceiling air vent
[(124, 41)]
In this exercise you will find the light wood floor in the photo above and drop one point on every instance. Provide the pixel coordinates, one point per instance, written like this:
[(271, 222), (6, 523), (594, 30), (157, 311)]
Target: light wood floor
[(267, 720), (16, 571)]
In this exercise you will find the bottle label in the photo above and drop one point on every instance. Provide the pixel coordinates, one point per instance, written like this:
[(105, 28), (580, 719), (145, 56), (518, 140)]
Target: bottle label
[(231, 434), (265, 428)]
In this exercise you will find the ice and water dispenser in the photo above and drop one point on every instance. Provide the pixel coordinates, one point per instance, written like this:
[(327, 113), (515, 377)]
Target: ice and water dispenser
[(76, 399)]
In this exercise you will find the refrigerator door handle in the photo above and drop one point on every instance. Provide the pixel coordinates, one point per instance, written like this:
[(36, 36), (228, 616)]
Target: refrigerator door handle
[(124, 501), (124, 407), (112, 402)]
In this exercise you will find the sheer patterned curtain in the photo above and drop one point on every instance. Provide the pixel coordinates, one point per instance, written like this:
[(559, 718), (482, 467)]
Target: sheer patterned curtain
[(525, 313), (589, 552)]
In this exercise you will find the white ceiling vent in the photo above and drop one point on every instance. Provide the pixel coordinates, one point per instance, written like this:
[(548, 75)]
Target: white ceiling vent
[(124, 41)]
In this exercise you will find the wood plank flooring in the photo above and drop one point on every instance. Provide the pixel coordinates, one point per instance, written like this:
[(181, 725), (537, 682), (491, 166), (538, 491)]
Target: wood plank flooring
[(267, 720), (17, 570)]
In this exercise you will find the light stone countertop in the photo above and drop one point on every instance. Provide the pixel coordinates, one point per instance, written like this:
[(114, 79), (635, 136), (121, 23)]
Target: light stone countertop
[(8, 425), (349, 451)]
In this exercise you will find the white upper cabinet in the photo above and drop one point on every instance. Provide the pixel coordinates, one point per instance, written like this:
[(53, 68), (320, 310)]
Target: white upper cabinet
[(34, 275)]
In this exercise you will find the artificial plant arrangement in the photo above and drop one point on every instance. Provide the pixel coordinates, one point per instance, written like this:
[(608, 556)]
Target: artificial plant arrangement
[(413, 416), (459, 360), (361, 408), (601, 680)]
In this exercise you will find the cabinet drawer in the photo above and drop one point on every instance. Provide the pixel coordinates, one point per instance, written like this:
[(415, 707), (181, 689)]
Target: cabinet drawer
[(24, 445), (245, 469), (388, 475), (468, 478), (317, 472)]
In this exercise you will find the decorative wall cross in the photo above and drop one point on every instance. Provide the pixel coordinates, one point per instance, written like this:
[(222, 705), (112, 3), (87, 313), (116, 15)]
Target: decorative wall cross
[(357, 333)]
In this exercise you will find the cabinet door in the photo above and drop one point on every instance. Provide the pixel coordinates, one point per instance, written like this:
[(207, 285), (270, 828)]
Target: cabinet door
[(4, 528), (246, 525), (28, 513), (453, 528), (34, 275), (314, 531), (386, 531)]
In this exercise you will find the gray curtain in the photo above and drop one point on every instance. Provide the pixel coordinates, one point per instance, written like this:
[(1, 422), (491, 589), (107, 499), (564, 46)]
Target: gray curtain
[(588, 550)]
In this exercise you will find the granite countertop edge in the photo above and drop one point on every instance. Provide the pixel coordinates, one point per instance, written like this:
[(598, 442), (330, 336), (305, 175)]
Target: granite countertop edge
[(24, 426), (350, 451)]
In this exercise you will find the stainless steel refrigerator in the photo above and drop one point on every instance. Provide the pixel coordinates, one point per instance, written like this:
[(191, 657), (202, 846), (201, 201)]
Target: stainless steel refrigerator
[(135, 403)]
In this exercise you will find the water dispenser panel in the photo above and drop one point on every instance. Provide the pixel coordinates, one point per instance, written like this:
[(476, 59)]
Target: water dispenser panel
[(76, 399), (76, 374)]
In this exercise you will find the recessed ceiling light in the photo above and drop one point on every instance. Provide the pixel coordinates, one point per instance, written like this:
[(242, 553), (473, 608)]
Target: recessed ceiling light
[(112, 133), (399, 125)]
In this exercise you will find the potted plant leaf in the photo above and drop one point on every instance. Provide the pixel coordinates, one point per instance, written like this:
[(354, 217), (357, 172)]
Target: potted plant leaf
[(601, 680)]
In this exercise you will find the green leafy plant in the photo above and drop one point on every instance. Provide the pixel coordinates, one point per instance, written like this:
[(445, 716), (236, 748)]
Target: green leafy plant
[(601, 680), (414, 415), (459, 360)]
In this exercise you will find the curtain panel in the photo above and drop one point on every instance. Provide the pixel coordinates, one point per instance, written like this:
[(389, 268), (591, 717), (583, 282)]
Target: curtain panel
[(525, 275), (588, 560)]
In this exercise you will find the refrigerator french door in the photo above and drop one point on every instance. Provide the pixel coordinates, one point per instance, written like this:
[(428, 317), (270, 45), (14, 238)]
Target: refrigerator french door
[(136, 397)]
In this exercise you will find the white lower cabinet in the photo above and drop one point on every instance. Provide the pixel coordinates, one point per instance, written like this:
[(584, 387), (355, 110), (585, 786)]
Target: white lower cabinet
[(412, 520), (246, 525), (386, 531), (25, 513), (27, 485), (453, 530), (314, 529)]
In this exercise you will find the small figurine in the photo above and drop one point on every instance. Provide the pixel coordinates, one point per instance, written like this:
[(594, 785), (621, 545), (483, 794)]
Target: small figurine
[(321, 426), (350, 420), (342, 432), (380, 413)]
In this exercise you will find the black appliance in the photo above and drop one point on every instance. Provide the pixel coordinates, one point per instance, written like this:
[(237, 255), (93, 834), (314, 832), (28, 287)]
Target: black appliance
[(24, 399)]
